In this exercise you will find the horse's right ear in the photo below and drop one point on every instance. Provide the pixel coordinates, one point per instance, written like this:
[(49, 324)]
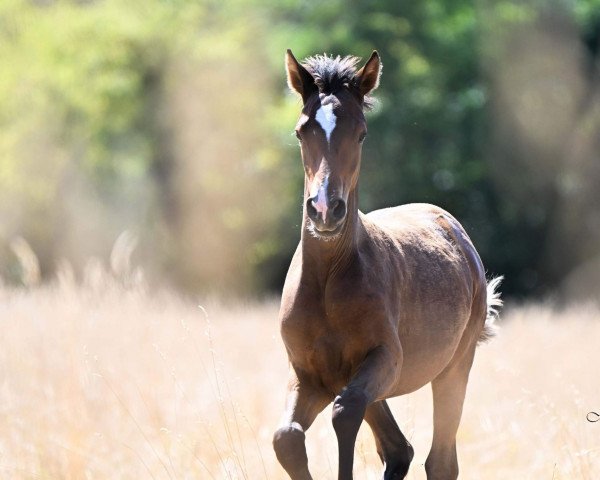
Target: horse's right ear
[(298, 77)]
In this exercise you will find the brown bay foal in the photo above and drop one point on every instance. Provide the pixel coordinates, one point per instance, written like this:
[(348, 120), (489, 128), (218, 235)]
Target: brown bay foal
[(374, 306)]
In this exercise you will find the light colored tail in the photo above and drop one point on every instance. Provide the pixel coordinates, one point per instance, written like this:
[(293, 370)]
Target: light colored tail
[(494, 302)]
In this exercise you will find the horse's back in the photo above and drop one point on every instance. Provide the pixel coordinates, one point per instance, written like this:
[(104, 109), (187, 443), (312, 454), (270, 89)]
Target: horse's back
[(410, 217), (428, 228), (433, 244)]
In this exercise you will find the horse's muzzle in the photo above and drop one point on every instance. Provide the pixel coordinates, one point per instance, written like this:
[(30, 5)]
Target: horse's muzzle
[(328, 216)]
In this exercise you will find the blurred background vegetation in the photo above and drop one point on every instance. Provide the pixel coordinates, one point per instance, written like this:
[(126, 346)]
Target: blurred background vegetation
[(171, 119)]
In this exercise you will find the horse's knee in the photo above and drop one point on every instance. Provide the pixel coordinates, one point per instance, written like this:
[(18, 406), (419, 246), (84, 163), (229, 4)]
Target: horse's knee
[(348, 412), (288, 443)]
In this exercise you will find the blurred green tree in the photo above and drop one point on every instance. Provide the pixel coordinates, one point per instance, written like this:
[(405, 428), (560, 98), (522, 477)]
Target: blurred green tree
[(172, 118), (144, 116)]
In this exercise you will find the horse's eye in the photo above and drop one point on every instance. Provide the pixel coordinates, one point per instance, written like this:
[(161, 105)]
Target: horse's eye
[(362, 137)]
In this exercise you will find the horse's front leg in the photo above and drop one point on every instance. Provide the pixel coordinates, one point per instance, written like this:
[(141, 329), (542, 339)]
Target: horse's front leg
[(303, 404), (373, 379)]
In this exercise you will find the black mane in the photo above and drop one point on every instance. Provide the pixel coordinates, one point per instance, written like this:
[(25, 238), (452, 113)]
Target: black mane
[(333, 74)]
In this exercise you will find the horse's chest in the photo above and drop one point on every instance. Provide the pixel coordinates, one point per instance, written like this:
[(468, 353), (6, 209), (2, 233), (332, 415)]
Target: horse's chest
[(319, 348)]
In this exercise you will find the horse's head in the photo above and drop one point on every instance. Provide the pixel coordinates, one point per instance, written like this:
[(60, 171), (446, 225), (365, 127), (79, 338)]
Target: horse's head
[(331, 130)]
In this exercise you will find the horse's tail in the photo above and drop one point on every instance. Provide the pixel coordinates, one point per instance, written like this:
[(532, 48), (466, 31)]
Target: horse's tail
[(494, 302)]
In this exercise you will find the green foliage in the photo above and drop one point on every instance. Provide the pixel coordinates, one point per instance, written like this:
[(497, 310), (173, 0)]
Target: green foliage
[(172, 118), (86, 149)]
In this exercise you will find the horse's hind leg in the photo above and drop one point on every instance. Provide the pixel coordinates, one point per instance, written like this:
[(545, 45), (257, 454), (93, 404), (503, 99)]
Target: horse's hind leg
[(392, 446), (448, 397)]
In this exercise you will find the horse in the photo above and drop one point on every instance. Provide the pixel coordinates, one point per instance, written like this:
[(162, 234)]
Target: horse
[(373, 306)]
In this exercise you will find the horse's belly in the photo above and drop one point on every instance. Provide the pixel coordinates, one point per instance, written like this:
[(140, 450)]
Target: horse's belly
[(417, 372), (428, 351)]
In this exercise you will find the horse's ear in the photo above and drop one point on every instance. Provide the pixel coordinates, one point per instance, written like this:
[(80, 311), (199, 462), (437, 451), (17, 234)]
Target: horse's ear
[(368, 76), (298, 78)]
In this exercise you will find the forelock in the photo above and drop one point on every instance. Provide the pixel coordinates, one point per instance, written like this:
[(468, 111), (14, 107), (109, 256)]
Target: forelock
[(333, 74)]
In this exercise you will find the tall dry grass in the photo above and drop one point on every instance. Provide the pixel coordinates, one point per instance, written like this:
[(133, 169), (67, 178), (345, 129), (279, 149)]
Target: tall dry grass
[(103, 379)]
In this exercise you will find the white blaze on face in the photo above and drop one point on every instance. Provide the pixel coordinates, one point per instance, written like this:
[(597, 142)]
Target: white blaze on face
[(326, 119), (320, 202)]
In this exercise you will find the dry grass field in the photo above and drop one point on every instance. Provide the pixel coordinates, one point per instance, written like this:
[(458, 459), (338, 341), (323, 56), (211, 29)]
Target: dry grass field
[(103, 381)]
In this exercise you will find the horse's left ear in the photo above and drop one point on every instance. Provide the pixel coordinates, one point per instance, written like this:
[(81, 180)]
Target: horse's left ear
[(368, 76)]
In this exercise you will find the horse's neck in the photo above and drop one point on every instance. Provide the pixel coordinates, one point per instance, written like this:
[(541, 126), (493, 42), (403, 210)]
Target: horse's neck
[(324, 257)]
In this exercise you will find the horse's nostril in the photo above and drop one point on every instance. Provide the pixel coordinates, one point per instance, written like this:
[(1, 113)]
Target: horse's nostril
[(339, 209), (311, 210)]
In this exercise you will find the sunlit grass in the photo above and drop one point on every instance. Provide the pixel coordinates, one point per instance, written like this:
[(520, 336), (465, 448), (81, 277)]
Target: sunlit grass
[(105, 379)]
